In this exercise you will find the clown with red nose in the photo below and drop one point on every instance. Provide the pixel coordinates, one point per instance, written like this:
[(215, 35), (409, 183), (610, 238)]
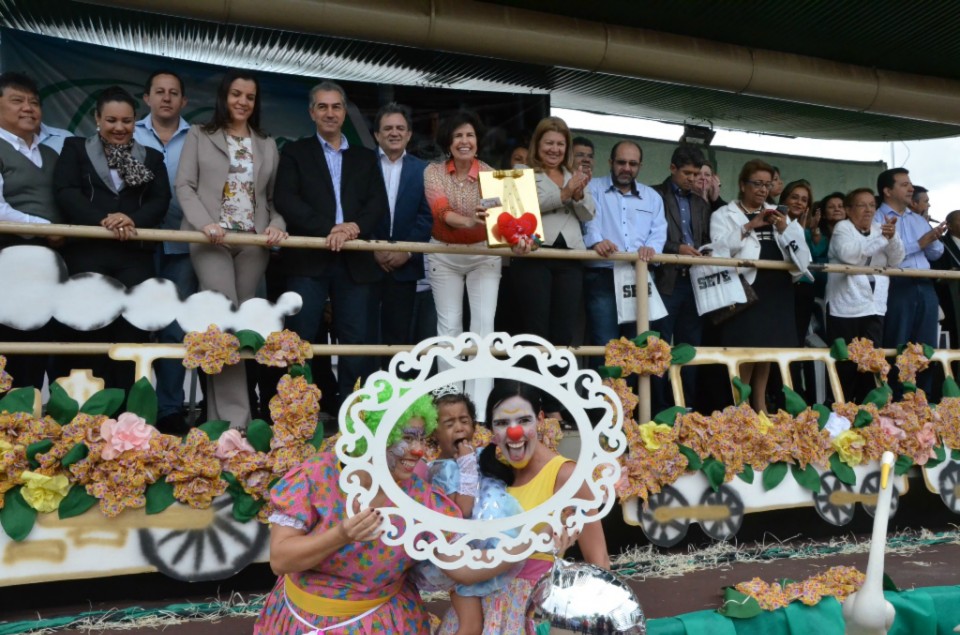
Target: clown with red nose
[(514, 428)]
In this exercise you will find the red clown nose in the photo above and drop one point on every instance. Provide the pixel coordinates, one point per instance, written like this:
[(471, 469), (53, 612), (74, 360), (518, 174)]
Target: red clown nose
[(417, 452), (514, 433)]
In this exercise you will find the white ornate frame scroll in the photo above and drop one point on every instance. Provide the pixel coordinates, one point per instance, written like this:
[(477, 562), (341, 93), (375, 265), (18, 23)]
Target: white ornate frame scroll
[(429, 535)]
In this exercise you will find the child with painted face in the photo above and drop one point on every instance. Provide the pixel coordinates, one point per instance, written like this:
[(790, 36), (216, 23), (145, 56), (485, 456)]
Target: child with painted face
[(480, 495)]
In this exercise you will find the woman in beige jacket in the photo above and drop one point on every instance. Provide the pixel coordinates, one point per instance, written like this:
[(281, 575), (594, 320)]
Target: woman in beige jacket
[(225, 184)]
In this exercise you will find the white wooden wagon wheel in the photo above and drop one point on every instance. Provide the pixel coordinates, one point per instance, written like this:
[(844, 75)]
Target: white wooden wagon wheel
[(949, 483), (726, 527), (871, 485), (828, 509), (669, 531)]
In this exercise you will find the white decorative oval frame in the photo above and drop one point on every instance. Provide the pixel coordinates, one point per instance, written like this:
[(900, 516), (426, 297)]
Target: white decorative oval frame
[(425, 532)]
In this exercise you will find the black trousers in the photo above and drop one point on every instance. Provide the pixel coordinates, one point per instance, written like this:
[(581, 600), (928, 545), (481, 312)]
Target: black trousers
[(856, 385), (552, 297)]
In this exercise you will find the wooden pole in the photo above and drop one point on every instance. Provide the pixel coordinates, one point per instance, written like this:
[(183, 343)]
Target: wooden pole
[(643, 324)]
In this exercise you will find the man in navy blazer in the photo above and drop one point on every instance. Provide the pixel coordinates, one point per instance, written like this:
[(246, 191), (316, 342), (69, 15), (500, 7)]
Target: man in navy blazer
[(326, 187), (409, 220)]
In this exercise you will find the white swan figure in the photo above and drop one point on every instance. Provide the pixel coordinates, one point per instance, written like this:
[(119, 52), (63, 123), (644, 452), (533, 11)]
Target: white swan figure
[(867, 612)]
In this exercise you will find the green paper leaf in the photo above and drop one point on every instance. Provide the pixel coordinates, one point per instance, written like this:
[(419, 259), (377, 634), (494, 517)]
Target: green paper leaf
[(61, 406), (879, 396), (747, 474), (694, 462), (16, 517), (863, 418), (909, 386), (250, 339), (928, 351), (941, 456), (794, 402), (682, 354), (900, 348), (76, 453), (106, 402), (245, 508), (159, 496), (142, 400), (610, 372), (738, 605), (18, 400), (743, 390), (641, 340), (955, 455), (838, 350), (76, 502), (715, 471), (259, 434), (823, 413), (843, 471), (773, 475), (302, 370), (317, 437), (889, 584), (903, 464), (808, 477), (40, 447), (669, 416), (950, 388), (214, 429)]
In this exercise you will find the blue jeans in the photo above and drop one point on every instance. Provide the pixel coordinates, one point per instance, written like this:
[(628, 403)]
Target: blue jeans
[(911, 317), (170, 372), (598, 291), (352, 317), (683, 325)]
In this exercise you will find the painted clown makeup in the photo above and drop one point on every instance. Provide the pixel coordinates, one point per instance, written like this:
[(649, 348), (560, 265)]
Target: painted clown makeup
[(515, 431), (403, 456)]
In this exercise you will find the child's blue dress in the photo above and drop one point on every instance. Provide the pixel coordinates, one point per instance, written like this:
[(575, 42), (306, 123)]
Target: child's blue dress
[(492, 502)]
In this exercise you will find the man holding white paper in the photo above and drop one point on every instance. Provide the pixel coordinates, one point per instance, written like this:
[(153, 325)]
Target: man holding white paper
[(629, 218)]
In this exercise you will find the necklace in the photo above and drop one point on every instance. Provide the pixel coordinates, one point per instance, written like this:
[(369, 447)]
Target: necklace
[(745, 211)]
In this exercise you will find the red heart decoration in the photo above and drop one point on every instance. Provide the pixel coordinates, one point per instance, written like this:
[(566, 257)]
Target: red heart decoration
[(511, 229), (528, 224)]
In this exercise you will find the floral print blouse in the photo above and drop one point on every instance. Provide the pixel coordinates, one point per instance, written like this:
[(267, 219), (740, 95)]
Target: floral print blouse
[(239, 198)]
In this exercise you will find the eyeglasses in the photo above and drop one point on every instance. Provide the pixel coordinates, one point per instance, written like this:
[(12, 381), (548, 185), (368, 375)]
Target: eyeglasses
[(760, 185)]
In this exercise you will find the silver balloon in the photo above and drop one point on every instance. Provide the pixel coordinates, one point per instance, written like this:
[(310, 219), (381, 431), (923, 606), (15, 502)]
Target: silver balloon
[(579, 598)]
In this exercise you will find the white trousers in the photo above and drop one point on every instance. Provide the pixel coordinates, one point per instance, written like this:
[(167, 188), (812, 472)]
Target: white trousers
[(480, 275)]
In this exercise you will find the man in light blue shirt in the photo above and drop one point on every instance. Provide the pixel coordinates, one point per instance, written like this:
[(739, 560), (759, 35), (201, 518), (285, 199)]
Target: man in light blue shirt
[(912, 308), (53, 137), (629, 218), (165, 130)]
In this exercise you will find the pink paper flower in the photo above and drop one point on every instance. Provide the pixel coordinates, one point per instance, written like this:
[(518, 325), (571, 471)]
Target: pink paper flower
[(927, 438), (128, 432), (890, 428), (232, 443)]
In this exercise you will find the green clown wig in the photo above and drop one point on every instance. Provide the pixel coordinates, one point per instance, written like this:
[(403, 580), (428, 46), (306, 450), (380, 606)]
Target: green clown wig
[(423, 408)]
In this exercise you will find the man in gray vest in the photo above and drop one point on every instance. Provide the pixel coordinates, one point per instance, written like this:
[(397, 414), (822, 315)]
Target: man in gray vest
[(26, 195)]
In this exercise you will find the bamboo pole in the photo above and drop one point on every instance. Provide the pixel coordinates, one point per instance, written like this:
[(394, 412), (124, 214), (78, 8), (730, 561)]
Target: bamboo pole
[(643, 324)]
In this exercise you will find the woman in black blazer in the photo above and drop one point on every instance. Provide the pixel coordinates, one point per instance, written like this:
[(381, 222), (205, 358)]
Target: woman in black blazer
[(112, 181)]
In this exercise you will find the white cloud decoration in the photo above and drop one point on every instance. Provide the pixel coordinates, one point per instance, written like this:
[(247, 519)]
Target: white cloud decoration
[(36, 288)]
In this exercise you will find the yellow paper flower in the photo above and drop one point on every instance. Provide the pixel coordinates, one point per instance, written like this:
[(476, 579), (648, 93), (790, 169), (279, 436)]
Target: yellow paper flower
[(764, 424), (849, 444), (44, 493), (650, 433)]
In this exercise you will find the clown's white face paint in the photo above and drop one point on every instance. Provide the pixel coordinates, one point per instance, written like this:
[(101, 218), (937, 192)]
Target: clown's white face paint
[(515, 431), (403, 456)]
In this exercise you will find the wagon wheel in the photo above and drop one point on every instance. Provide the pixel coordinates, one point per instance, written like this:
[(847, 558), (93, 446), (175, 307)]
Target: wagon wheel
[(669, 533), (949, 479), (871, 485), (724, 528), (218, 551), (834, 514)]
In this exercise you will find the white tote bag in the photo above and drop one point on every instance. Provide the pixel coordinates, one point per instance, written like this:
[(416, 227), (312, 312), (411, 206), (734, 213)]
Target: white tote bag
[(625, 287), (716, 287)]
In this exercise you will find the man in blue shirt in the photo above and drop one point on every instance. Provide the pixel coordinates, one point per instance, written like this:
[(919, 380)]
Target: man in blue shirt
[(629, 217), (165, 130), (911, 302), (53, 137)]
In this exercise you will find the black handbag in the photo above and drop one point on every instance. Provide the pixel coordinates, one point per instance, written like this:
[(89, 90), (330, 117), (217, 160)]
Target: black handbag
[(722, 315)]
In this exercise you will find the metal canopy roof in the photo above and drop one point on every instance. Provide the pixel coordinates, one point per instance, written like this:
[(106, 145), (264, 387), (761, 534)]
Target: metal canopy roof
[(335, 58)]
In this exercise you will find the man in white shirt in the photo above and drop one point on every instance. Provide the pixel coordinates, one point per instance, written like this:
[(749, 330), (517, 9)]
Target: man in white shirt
[(165, 130), (409, 220), (26, 196)]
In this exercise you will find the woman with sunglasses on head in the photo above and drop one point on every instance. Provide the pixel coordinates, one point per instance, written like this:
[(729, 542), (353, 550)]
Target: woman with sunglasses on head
[(747, 228), (225, 185)]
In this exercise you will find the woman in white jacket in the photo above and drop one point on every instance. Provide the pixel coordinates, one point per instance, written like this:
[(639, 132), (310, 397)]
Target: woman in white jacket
[(856, 303), (748, 229)]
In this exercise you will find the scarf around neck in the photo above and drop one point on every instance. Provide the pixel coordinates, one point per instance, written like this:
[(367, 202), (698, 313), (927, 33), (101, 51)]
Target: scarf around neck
[(120, 158)]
